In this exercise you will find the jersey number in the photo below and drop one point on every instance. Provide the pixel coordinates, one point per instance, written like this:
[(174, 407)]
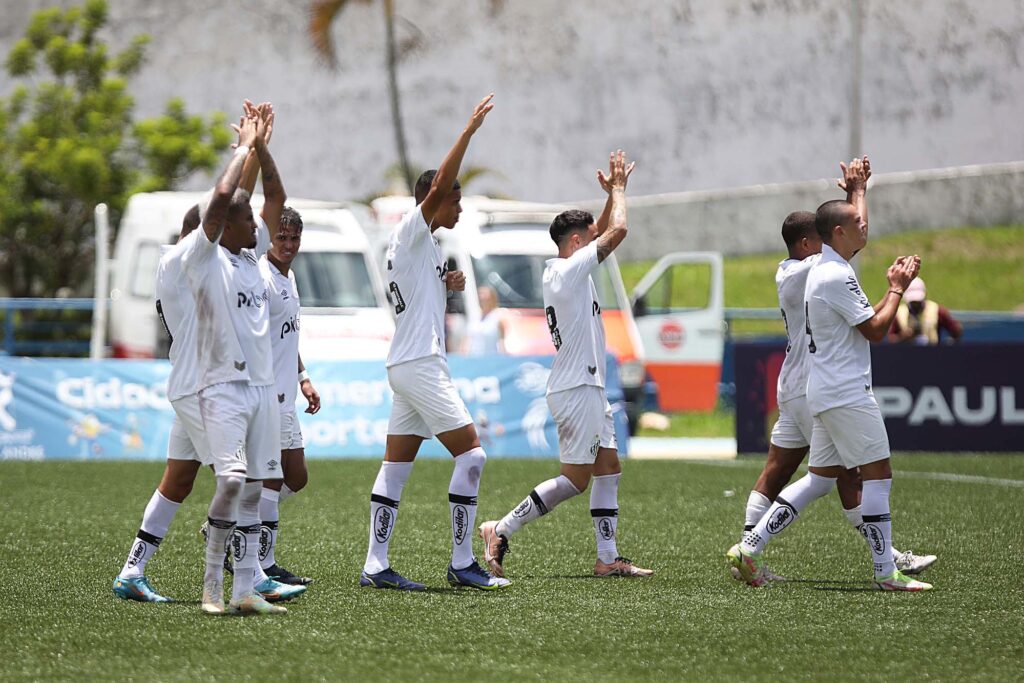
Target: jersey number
[(396, 298), (556, 338), (811, 346)]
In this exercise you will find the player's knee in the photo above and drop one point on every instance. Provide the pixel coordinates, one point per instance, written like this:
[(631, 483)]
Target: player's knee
[(230, 485), (176, 491)]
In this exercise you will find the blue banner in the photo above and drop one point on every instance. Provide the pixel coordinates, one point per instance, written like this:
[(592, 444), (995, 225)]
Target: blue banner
[(114, 409)]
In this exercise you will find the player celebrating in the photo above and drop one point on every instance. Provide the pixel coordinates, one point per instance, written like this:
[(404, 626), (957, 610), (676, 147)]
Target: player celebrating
[(791, 435), (235, 368), (848, 430), (187, 447), (284, 329), (576, 391), (426, 402)]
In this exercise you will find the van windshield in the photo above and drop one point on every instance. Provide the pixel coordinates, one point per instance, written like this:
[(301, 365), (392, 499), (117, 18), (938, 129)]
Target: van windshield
[(517, 279), (333, 279)]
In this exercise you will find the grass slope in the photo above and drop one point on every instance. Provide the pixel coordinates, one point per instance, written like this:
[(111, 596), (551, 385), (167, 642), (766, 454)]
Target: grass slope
[(68, 526)]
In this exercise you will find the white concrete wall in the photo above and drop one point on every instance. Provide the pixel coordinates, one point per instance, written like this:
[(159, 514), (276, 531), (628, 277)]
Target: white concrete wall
[(704, 93)]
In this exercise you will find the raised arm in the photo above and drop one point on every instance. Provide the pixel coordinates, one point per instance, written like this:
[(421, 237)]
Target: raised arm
[(217, 211), (900, 274), (448, 171), (251, 169), (855, 184), (274, 195), (615, 232)]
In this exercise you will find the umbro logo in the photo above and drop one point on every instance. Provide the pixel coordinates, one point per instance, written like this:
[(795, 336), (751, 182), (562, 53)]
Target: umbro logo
[(240, 366), (592, 369), (272, 465)]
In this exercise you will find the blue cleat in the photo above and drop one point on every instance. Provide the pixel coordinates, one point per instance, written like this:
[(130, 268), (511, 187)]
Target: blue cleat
[(275, 591), (475, 576), (389, 578), (137, 589)]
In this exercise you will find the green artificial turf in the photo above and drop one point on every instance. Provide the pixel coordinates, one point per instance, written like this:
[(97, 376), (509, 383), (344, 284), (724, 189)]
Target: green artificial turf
[(67, 528)]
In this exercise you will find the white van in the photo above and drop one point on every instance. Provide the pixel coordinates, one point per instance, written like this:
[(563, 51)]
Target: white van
[(345, 313)]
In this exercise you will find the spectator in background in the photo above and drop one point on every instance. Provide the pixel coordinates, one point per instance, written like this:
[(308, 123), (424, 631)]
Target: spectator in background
[(921, 321), (486, 336)]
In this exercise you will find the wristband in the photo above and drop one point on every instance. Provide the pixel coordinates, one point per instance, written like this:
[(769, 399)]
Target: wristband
[(242, 150), (303, 377), (897, 292)]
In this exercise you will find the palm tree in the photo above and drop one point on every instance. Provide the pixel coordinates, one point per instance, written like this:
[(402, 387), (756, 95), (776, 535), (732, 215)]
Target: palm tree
[(321, 16)]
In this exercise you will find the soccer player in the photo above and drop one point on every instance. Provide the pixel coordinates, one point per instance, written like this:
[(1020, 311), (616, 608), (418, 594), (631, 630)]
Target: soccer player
[(187, 448), (290, 373), (426, 402), (791, 435), (848, 431), (576, 391), (234, 368)]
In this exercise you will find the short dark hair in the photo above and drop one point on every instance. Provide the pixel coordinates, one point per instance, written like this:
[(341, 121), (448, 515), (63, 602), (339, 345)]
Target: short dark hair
[(798, 225), (568, 222), (291, 218), (424, 182), (190, 222), (829, 215)]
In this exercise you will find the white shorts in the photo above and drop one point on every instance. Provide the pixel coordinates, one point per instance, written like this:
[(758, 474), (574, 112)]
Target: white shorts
[(794, 426), (242, 424), (426, 401), (850, 436), (291, 433), (187, 440), (584, 421)]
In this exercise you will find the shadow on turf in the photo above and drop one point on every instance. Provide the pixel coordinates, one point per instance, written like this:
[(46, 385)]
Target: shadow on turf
[(835, 585)]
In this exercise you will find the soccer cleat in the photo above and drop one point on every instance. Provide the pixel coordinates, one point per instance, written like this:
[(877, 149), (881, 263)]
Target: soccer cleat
[(475, 576), (284, 576), (750, 567), (275, 591), (213, 597), (620, 567), (253, 603), (495, 547), (389, 578), (734, 571), (899, 582), (228, 566), (137, 589), (911, 564)]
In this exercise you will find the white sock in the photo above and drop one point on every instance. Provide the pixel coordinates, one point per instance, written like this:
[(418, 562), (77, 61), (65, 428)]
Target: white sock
[(877, 528), (245, 541), (604, 511), (384, 499), (286, 493), (155, 522), (541, 501), (462, 493), (221, 517), (269, 518), (757, 505), (786, 508), (853, 514)]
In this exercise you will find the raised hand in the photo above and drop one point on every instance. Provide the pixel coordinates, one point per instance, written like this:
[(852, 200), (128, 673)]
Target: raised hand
[(618, 172), (247, 130), (903, 271), (480, 113), (855, 176)]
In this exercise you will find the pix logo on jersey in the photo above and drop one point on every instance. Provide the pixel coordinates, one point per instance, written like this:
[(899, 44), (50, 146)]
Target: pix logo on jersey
[(252, 299)]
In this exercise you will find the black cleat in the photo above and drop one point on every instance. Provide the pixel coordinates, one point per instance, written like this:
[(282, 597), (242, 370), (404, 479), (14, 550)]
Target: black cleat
[(284, 576)]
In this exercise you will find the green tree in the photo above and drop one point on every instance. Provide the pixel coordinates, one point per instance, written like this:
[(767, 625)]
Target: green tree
[(68, 141)]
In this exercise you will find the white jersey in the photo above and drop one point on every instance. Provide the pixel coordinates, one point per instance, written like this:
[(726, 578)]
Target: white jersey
[(791, 281), (416, 272), (176, 308), (574, 319), (284, 331), (232, 316), (834, 304)]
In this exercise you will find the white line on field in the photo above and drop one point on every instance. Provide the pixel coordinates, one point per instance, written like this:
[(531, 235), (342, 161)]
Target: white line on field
[(908, 474)]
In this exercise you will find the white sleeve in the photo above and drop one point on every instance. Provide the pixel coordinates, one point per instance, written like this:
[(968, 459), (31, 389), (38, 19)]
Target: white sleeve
[(580, 265), (847, 299), (411, 227), (262, 237), (196, 249)]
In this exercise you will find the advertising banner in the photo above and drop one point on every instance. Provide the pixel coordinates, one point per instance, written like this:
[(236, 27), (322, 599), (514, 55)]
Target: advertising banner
[(967, 397), (113, 409)]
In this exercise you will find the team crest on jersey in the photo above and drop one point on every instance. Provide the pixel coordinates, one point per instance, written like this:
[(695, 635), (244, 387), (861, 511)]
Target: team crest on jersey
[(240, 366), (594, 446), (280, 398)]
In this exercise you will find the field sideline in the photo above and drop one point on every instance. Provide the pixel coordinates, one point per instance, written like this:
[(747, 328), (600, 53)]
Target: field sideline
[(68, 526)]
